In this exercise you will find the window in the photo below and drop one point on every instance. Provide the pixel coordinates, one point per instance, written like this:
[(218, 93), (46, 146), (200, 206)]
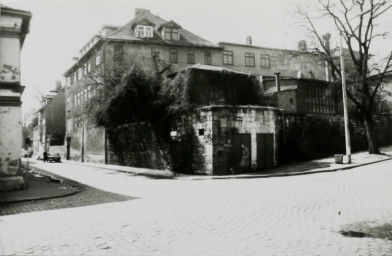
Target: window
[(98, 59), (265, 61), (68, 104), (228, 57), (144, 31), (79, 99), (117, 52), (67, 81), (173, 56), (118, 48), (191, 57), (85, 69), (88, 67), (81, 96), (207, 58), (75, 100), (319, 101), (155, 53), (80, 73), (89, 92), (249, 59), (85, 95), (171, 34), (75, 76), (77, 122)]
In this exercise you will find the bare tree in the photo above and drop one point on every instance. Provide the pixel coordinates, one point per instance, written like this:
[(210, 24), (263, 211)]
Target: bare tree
[(357, 21)]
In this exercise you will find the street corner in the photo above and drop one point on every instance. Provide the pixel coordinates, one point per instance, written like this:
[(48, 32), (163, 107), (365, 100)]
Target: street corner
[(37, 187)]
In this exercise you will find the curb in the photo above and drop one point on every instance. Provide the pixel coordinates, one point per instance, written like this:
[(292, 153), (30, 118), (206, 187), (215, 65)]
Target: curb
[(34, 169), (123, 171), (249, 176)]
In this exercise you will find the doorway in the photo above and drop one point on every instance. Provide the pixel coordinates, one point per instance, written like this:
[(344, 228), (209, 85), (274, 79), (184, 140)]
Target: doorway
[(265, 150), (241, 161)]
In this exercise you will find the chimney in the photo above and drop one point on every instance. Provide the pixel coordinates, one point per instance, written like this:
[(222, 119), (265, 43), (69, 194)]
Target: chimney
[(58, 85), (277, 81), (140, 10), (302, 46), (249, 40), (326, 38)]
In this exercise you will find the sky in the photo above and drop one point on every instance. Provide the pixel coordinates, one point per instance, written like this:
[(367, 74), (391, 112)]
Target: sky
[(59, 29)]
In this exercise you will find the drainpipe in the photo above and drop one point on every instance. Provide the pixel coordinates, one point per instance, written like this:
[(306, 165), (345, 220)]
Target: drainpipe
[(277, 81)]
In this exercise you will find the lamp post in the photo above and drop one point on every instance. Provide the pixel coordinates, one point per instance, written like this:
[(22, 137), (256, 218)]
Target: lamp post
[(344, 89), (345, 108)]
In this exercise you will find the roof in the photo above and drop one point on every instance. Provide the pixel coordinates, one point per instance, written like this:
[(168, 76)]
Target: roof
[(258, 47), (291, 87), (187, 38), (282, 88), (211, 68)]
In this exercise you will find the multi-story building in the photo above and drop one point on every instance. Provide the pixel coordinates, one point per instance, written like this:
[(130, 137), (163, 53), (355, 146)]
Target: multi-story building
[(159, 45), (148, 41), (14, 26), (49, 132), (264, 61)]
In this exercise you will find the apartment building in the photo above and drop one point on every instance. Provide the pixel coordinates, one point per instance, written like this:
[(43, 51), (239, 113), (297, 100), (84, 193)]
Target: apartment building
[(49, 131), (264, 61), (148, 41)]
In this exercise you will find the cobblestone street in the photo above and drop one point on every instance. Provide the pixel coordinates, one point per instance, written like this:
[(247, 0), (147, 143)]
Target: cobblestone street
[(297, 215)]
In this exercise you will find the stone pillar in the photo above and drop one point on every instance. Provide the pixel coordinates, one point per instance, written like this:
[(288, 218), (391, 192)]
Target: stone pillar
[(10, 147), (13, 29)]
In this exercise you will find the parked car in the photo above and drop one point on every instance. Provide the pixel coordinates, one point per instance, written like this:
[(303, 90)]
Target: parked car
[(26, 153), (54, 157)]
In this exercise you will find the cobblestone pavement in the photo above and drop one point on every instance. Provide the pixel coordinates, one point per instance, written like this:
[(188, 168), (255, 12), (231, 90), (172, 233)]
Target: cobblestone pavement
[(86, 195), (298, 215)]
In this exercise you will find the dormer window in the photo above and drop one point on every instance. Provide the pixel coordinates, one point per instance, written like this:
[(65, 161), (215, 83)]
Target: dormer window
[(170, 31), (144, 31), (171, 34)]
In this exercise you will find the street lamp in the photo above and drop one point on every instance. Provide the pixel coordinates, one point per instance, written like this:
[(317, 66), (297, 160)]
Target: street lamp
[(344, 88), (345, 108)]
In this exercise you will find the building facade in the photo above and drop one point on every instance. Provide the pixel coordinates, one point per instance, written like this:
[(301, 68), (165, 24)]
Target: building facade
[(49, 132), (229, 131), (303, 96), (148, 41), (14, 26), (161, 46), (264, 61)]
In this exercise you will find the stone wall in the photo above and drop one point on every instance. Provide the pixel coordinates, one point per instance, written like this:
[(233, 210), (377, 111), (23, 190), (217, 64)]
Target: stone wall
[(315, 136), (10, 140), (137, 145), (203, 142), (94, 143)]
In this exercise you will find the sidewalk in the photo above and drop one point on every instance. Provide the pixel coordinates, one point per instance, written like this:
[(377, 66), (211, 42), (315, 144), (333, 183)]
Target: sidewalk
[(309, 167), (127, 169), (43, 187), (39, 187), (302, 168)]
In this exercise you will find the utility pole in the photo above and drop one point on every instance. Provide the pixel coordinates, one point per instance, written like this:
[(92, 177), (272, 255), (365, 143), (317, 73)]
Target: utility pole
[(344, 88), (345, 107)]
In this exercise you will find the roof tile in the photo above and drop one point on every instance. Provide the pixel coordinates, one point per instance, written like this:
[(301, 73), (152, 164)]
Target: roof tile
[(187, 38)]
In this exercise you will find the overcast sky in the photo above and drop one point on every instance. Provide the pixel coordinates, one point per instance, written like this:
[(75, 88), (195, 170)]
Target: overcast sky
[(59, 28)]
